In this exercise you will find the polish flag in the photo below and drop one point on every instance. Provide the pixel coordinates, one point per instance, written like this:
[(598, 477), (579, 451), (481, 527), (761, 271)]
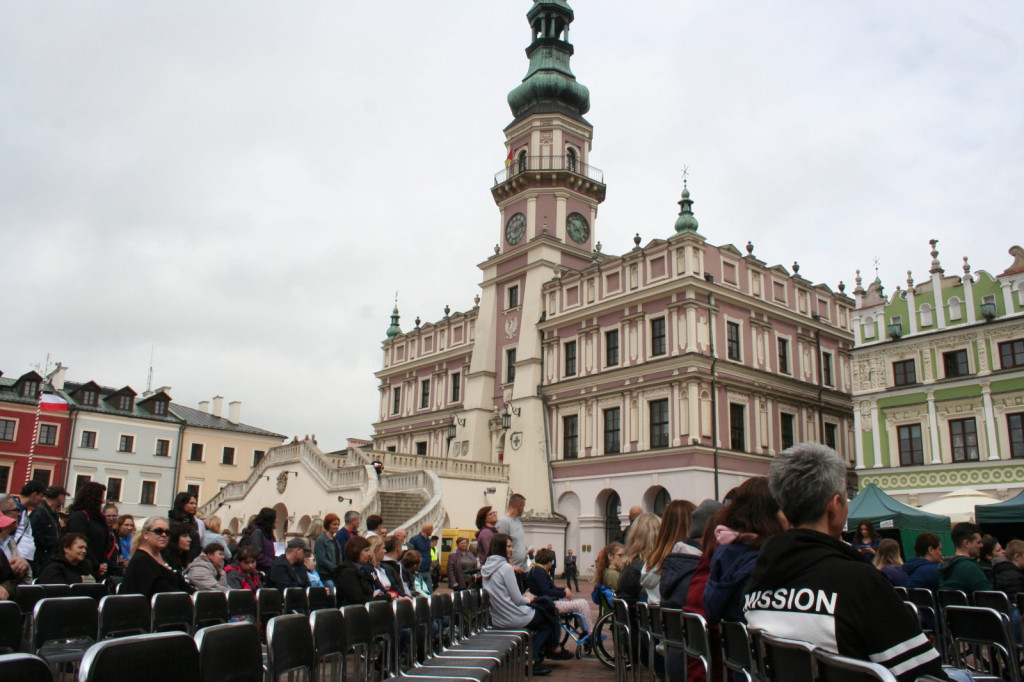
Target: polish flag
[(52, 403)]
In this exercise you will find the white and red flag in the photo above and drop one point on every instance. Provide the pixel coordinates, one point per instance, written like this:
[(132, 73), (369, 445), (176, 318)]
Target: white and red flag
[(49, 402)]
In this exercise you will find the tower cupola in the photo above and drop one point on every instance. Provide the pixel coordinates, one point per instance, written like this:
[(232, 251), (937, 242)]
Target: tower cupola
[(549, 85), (394, 330), (686, 222)]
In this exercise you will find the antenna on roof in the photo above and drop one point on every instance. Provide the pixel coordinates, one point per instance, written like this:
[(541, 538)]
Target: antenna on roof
[(44, 367), (149, 376)]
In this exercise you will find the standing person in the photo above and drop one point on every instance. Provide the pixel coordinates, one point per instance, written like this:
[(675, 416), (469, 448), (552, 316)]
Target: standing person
[(69, 566), (961, 571), (461, 566), (421, 543), (486, 519), (923, 569), (87, 518), (148, 572), (349, 530), (46, 524), (288, 569), (206, 572), (571, 571), (855, 611), (634, 512), (213, 536), (114, 564), (326, 550), (184, 511), (435, 560), (242, 575), (890, 563), (378, 466), (31, 497), (260, 536), (375, 525), (124, 533), (511, 525), (866, 539)]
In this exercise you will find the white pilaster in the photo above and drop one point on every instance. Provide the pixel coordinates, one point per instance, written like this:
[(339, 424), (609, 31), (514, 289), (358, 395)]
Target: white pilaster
[(990, 421), (933, 429), (876, 437)]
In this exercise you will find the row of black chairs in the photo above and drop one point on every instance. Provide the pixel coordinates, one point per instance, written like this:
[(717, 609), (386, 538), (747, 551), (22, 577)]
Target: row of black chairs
[(422, 640)]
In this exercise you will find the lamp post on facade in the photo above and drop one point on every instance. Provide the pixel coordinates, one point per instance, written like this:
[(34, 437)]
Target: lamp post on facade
[(451, 427), (506, 416)]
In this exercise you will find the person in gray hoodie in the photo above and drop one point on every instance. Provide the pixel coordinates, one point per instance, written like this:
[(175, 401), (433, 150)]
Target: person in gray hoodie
[(206, 572), (510, 608)]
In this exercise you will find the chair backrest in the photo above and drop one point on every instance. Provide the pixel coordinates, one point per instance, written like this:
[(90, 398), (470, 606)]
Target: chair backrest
[(156, 657), (26, 597), (290, 645), (24, 667), (673, 626), (622, 636), (61, 619), (953, 598), (95, 590), (55, 589), (902, 591), (171, 611), (406, 628), (230, 652), (736, 648), (320, 598), (123, 615), (922, 596), (992, 599), (357, 637), (990, 630), (295, 601), (269, 603), (698, 644), (242, 604), (382, 629), (209, 608), (787, 660), (835, 668), (10, 627), (328, 626)]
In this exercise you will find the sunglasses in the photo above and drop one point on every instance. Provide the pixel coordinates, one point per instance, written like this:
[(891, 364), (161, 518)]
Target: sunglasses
[(160, 531)]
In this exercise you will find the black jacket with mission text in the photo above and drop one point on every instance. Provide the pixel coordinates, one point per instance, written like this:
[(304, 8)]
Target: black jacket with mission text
[(809, 586)]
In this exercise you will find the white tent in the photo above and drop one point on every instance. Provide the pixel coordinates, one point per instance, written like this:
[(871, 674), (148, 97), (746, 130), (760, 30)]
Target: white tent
[(959, 504)]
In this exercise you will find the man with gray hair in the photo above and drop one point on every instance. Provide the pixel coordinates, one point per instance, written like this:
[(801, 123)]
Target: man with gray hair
[(349, 530), (810, 585)]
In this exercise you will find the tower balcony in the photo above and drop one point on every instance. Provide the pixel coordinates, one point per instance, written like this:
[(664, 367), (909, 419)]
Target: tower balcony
[(548, 171)]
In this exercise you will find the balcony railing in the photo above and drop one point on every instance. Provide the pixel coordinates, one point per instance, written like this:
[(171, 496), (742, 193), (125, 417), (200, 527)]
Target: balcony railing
[(567, 162)]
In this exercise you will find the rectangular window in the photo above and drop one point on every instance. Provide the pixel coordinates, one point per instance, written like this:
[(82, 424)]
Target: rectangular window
[(7, 429), (830, 435), (5, 478), (659, 423), (963, 434), (160, 407), (41, 476), (826, 369), (788, 429), (421, 448), (196, 453), (30, 389), (513, 296), (456, 387), (163, 447), (47, 434), (510, 365), (613, 431), (1015, 424), (738, 427), (911, 445), (396, 399), (570, 359), (148, 494), (124, 402), (114, 489), (89, 397), (88, 439), (1011, 354), (425, 394), (80, 480), (611, 348), (193, 489), (571, 437), (955, 363), (126, 444), (732, 340), (228, 457), (658, 336), (784, 356), (257, 455), (904, 373)]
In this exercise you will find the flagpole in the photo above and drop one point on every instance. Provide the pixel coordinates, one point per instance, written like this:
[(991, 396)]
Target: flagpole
[(35, 437)]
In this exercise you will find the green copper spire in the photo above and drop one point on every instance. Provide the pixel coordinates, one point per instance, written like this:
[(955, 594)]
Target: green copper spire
[(394, 330), (550, 85), (686, 222)]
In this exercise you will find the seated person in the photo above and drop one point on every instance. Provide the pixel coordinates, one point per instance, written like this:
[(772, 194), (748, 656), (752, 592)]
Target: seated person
[(242, 575), (1009, 575), (923, 569), (206, 572), (68, 565), (355, 579), (539, 582), (287, 569), (961, 571)]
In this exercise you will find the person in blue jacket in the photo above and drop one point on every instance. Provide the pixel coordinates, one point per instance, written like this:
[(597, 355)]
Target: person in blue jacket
[(923, 569)]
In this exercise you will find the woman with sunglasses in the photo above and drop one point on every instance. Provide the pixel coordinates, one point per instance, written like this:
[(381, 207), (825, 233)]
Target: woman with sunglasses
[(148, 572)]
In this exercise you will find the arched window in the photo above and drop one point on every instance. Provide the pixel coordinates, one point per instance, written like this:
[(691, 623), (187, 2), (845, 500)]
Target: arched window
[(954, 308), (570, 159), (522, 161), (661, 501), (926, 315), (612, 507)]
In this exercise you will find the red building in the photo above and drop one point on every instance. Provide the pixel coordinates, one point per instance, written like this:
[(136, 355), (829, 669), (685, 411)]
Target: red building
[(19, 407)]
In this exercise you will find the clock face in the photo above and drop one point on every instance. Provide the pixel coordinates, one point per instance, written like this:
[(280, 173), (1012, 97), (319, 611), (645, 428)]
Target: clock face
[(577, 227), (515, 228)]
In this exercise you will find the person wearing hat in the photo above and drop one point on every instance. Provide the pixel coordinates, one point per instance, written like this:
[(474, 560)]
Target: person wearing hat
[(699, 519), (46, 523), (287, 569), (8, 578)]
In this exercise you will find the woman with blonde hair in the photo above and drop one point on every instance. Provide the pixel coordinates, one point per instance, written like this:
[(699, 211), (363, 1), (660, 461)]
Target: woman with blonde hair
[(641, 537), (212, 535), (890, 563)]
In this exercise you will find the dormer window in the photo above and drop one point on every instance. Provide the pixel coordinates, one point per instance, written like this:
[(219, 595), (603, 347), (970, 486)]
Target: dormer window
[(160, 407), (124, 402), (89, 397), (30, 389)]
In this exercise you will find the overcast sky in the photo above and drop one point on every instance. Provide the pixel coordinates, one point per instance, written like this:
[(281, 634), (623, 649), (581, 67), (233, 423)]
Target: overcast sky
[(241, 187)]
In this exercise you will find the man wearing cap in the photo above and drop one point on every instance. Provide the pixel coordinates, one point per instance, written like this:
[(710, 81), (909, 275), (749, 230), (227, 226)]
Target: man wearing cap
[(46, 524), (283, 572)]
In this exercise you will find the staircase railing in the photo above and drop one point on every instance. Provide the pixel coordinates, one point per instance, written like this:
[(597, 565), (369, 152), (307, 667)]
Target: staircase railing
[(432, 511), (443, 466)]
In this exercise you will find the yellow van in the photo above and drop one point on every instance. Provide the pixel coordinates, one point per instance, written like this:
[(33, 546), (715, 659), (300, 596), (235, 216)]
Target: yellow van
[(448, 538)]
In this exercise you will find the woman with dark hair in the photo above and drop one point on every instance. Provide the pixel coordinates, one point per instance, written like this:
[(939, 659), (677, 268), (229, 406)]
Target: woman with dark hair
[(354, 578), (184, 511), (124, 531), (87, 518), (510, 608), (260, 536), (486, 520), (179, 547), (740, 529), (69, 564), (670, 563), (147, 572), (866, 539), (991, 551)]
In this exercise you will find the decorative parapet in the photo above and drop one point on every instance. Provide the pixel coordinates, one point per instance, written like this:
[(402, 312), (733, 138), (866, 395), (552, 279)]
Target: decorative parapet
[(444, 467), (972, 474)]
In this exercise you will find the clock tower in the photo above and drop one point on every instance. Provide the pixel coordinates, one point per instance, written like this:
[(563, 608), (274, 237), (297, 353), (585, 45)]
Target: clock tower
[(547, 197)]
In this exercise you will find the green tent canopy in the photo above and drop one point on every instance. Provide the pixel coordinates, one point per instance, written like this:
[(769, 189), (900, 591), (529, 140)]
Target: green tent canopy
[(1005, 520), (887, 514)]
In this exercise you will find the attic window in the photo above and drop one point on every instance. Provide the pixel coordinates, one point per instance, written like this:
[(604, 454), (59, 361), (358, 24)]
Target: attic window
[(124, 402), (160, 407), (30, 389), (89, 397)]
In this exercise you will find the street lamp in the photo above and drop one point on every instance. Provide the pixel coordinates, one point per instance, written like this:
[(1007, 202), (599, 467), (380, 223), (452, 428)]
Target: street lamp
[(506, 416), (451, 426)]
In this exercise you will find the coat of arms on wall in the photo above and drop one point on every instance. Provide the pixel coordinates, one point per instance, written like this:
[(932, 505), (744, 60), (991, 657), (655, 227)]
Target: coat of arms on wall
[(282, 482), (516, 439)]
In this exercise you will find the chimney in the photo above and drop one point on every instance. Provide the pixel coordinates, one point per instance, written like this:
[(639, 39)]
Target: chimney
[(218, 405), (58, 376), (234, 411), (204, 406)]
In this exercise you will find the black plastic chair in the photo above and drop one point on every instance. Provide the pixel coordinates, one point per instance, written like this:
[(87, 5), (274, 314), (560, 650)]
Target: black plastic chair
[(320, 598), (24, 667), (490, 642), (290, 646), (295, 601), (55, 590), (698, 644), (329, 644), (95, 590), (902, 591), (357, 639), (953, 598), (835, 668), (471, 666), (986, 633), (171, 611), (622, 634), (737, 654), (230, 652), (787, 660), (643, 636), (209, 608), (242, 605), (10, 627), (993, 599), (269, 604), (157, 657), (63, 628), (123, 615)]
